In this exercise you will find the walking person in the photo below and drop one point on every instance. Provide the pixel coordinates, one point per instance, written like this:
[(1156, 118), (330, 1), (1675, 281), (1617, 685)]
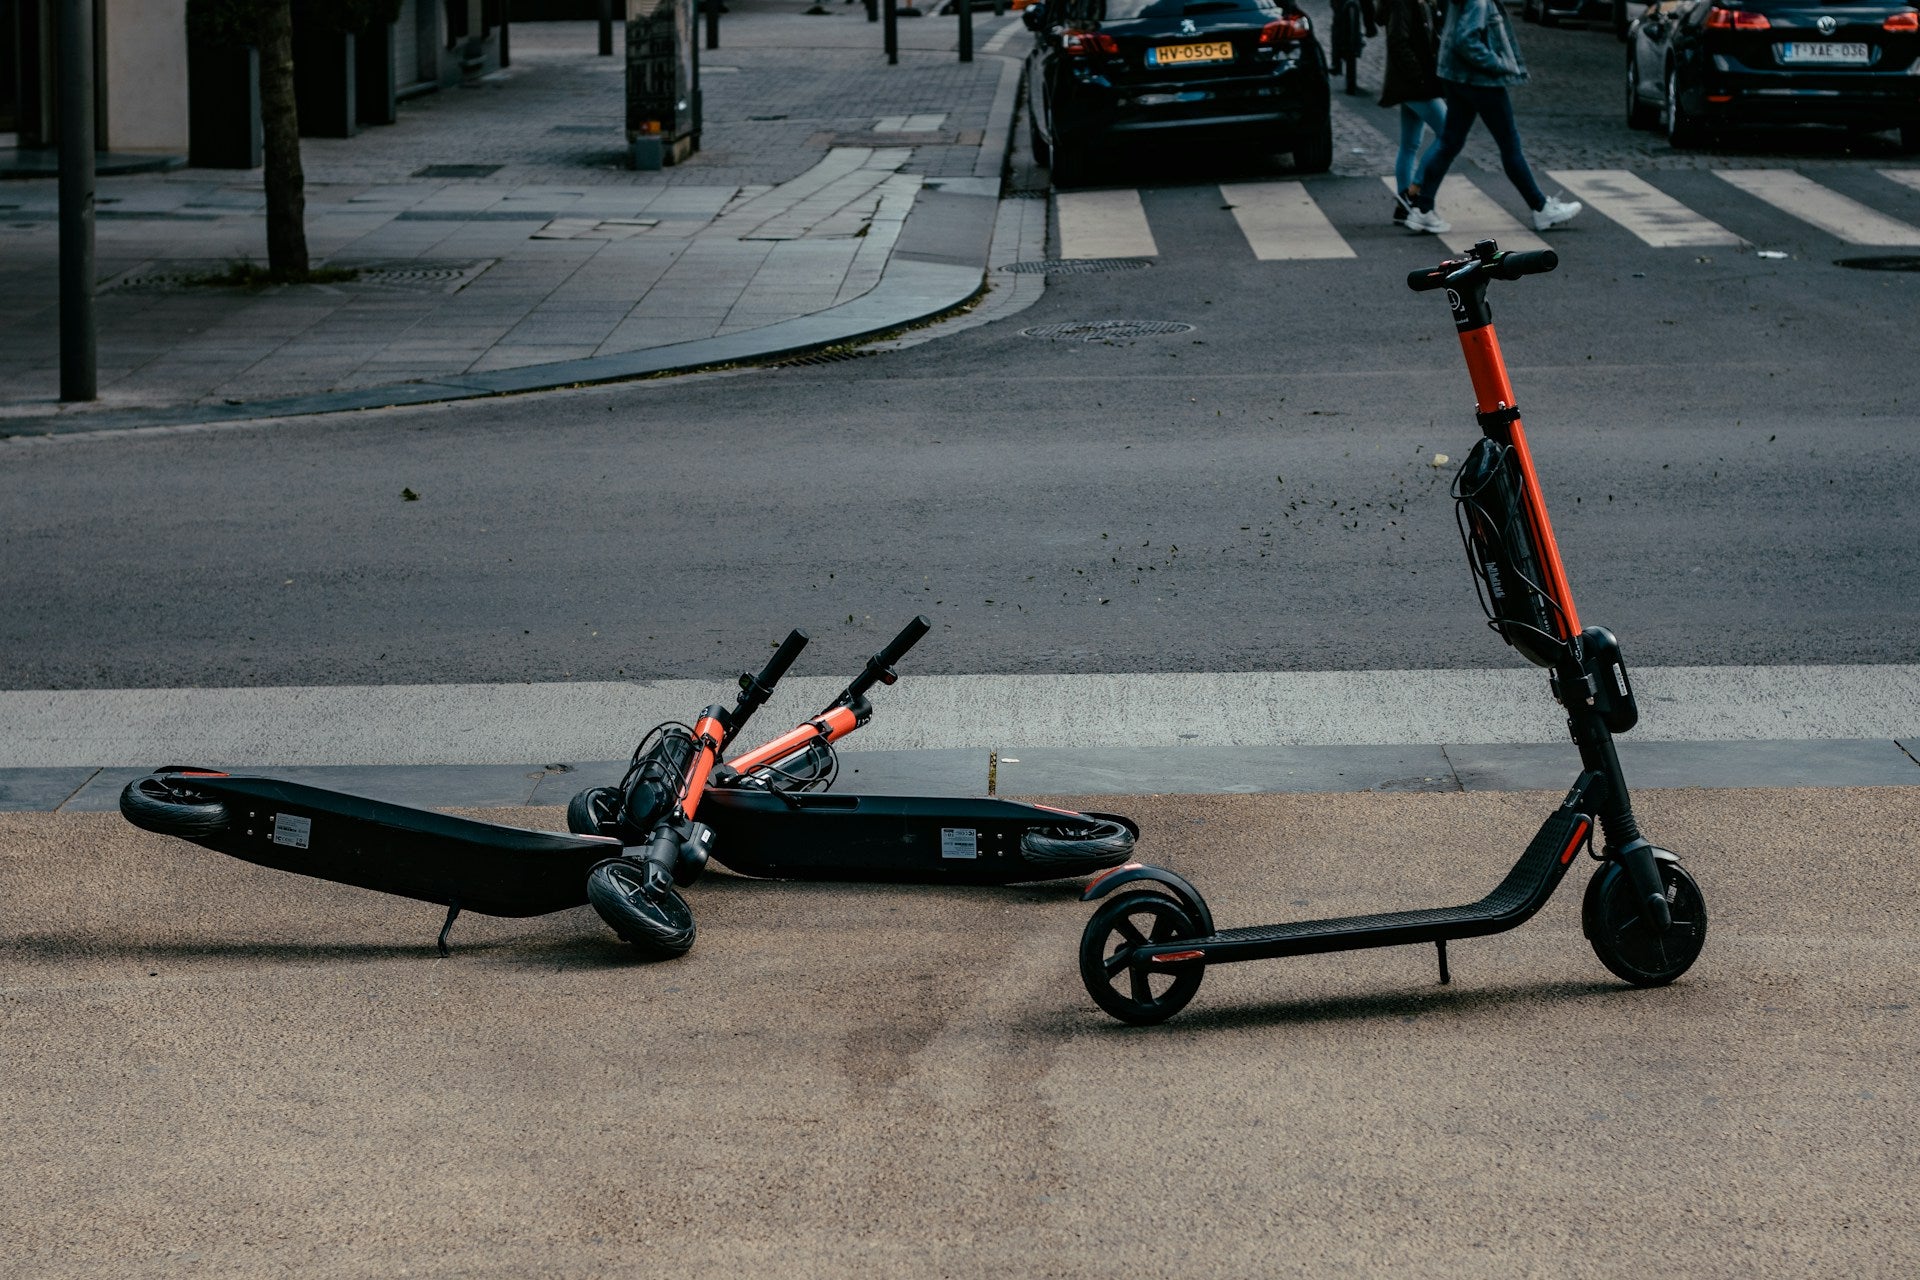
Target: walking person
[(1479, 60), (1411, 85)]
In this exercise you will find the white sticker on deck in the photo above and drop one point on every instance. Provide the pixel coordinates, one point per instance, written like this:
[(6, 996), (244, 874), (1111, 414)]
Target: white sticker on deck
[(291, 830), (959, 842)]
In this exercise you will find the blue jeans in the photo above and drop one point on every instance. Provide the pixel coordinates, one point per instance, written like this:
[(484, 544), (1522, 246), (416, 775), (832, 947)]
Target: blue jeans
[(1464, 102), (1414, 116)]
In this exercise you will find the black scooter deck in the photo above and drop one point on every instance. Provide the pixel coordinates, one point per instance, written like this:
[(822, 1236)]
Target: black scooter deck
[(1523, 891), (892, 839), (413, 853)]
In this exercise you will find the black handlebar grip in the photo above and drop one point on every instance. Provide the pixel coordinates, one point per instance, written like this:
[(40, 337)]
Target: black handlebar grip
[(1430, 277), (782, 659), (909, 636), (1524, 262)]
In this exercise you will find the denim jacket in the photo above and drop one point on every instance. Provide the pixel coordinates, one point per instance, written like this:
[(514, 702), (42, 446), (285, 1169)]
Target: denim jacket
[(1477, 46)]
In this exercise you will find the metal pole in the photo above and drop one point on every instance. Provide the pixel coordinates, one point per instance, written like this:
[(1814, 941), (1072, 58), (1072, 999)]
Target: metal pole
[(965, 9), (893, 31), (873, 10), (712, 8), (606, 28), (79, 356)]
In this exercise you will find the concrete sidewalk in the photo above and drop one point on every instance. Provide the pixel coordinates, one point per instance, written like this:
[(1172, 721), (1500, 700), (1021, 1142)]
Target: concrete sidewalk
[(547, 262), (215, 1069)]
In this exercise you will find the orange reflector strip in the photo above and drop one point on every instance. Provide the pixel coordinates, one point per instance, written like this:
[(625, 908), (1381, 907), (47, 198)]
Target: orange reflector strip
[(1579, 838), (1108, 875), (1719, 97), (1175, 957)]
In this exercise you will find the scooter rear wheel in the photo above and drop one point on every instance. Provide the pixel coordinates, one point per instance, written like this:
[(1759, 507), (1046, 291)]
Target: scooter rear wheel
[(171, 806), (1075, 848), (1610, 917), (642, 908), (1129, 921)]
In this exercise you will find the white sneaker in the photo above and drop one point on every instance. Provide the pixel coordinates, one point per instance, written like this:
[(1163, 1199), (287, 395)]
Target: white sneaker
[(1428, 220), (1554, 212)]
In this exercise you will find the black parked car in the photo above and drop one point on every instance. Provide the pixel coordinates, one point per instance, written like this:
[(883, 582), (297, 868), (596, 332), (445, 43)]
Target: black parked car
[(1549, 12), (1104, 72), (1694, 65)]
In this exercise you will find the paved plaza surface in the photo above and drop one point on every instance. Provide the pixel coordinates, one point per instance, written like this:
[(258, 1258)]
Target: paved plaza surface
[(213, 1069), (553, 250)]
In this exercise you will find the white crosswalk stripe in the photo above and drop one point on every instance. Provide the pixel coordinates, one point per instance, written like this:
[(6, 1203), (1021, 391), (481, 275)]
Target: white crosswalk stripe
[(1103, 224), (1837, 215), (1280, 220), (1475, 217), (1283, 221), (1906, 177), (1642, 208)]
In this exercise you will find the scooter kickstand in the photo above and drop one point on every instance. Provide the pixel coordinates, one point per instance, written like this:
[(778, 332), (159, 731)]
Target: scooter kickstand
[(1445, 977), (453, 913)]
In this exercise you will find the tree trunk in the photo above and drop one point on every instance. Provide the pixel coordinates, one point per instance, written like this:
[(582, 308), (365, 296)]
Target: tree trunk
[(280, 123)]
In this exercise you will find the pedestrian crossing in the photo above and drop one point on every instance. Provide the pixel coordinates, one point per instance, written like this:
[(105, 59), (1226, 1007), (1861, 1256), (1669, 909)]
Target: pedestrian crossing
[(1291, 221)]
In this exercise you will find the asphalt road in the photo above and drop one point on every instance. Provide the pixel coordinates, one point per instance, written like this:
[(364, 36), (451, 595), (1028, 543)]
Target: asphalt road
[(1726, 443), (212, 1069)]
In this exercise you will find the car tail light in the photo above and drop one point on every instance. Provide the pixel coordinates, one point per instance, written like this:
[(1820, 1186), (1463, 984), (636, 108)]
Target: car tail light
[(1908, 21), (1737, 20), (1289, 30), (1079, 44)]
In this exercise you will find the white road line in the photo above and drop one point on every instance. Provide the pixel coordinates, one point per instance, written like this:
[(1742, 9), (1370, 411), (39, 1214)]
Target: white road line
[(508, 724), (1642, 208), (1475, 217), (1906, 177), (1280, 220), (1103, 224), (1004, 35), (1837, 215)]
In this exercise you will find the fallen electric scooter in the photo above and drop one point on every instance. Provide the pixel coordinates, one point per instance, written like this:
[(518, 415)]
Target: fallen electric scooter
[(1143, 954), (772, 814), (462, 864)]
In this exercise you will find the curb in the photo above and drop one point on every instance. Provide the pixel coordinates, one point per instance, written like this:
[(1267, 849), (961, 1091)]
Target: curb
[(938, 264)]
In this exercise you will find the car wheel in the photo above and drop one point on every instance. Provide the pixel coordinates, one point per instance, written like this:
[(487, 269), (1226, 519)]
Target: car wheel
[(1042, 154), (1620, 20), (1910, 137), (1683, 130), (1640, 113), (1528, 13), (1314, 154)]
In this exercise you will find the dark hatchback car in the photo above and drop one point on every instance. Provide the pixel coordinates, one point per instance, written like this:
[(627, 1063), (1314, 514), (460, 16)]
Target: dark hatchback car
[(1107, 72), (1696, 65)]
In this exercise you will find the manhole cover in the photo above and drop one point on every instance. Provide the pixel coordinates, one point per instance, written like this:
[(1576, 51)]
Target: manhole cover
[(1106, 330), (1076, 266), (457, 171), (1888, 262)]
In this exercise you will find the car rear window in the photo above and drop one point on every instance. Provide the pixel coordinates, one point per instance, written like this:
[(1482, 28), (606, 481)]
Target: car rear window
[(1126, 10)]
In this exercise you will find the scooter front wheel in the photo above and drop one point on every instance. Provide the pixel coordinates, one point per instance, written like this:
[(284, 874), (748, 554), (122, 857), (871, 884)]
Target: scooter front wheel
[(1610, 917), (171, 806), (641, 907), (1132, 920)]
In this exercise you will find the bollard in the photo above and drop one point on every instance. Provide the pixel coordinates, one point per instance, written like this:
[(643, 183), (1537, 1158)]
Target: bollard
[(893, 31), (79, 353), (965, 9), (606, 28), (873, 10), (712, 10)]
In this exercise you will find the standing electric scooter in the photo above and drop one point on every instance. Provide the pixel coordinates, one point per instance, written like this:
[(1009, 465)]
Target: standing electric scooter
[(1143, 954), (773, 815)]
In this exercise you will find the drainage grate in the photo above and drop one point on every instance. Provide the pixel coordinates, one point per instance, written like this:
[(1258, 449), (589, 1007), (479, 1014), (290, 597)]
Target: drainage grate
[(1107, 330), (821, 357), (177, 276), (1076, 266), (457, 171), (1888, 262), (585, 128)]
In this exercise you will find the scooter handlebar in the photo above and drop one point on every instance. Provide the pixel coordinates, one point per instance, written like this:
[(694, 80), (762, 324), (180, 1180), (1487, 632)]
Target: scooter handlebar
[(782, 659), (909, 636), (1501, 266)]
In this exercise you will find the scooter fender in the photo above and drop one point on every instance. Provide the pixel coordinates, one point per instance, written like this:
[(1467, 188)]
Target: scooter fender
[(1183, 890)]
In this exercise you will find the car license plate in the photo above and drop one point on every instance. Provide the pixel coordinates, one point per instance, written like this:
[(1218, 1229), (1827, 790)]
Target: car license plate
[(1846, 54), (1167, 55)]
